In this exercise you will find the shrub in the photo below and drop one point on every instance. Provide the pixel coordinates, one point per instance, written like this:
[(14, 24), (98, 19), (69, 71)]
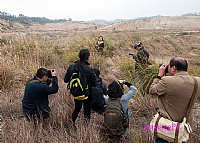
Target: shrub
[(70, 57), (3, 41), (7, 74), (127, 67), (145, 77), (195, 71), (109, 48)]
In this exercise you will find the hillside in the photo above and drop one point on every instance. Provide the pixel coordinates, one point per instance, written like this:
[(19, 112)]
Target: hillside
[(62, 26), (13, 26), (6, 25), (160, 23), (155, 23), (26, 20)]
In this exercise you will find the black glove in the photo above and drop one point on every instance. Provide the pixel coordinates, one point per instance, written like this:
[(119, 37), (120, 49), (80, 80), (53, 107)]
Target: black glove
[(128, 84)]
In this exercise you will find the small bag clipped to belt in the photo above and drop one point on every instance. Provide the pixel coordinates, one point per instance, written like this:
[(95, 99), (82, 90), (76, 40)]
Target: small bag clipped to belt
[(170, 130)]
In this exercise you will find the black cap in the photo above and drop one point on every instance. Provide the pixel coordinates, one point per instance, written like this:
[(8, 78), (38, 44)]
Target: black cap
[(138, 44)]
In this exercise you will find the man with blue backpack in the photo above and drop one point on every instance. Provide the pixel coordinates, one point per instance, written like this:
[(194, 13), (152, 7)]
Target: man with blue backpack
[(80, 78)]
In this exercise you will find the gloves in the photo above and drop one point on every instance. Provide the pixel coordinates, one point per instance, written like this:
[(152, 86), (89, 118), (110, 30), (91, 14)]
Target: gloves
[(128, 84)]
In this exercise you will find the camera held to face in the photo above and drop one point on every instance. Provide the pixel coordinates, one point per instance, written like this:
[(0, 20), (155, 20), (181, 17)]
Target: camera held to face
[(49, 75), (121, 83), (166, 68)]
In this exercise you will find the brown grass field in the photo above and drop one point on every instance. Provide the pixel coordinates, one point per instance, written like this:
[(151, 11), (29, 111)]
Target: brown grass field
[(22, 53)]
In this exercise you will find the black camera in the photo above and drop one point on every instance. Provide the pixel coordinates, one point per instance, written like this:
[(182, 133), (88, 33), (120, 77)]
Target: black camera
[(49, 75), (134, 56), (138, 44), (121, 83), (166, 69)]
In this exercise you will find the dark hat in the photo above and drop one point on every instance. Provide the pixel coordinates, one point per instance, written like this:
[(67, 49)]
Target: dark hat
[(138, 44)]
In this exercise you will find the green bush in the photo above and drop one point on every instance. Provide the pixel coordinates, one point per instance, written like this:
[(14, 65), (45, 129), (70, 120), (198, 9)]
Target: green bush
[(146, 76), (195, 71), (3, 41), (127, 67), (109, 48), (41, 52), (70, 57)]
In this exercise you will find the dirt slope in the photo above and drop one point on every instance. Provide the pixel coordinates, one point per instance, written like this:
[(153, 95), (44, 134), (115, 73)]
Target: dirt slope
[(161, 23)]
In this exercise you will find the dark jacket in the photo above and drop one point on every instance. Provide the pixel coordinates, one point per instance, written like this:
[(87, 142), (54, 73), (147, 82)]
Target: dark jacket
[(88, 72), (98, 101), (101, 45), (35, 100), (142, 58)]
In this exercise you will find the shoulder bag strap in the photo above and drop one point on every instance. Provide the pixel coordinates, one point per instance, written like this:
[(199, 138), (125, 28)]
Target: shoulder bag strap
[(191, 104)]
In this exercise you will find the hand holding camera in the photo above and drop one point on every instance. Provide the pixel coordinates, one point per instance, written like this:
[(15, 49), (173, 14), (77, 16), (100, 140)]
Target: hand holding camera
[(131, 54), (121, 82), (163, 70), (51, 73)]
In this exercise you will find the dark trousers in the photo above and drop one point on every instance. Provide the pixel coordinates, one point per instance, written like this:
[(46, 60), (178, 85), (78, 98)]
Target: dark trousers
[(78, 105), (160, 140), (36, 115)]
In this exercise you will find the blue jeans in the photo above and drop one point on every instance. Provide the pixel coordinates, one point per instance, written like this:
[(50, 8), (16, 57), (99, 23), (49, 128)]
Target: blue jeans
[(160, 140)]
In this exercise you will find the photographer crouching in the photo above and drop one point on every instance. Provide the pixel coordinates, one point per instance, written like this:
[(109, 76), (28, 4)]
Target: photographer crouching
[(35, 102)]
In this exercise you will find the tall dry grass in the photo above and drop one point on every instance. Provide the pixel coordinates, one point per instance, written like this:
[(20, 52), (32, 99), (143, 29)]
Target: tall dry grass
[(23, 55)]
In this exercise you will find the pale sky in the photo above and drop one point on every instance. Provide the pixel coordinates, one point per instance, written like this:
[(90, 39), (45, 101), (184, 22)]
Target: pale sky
[(98, 9)]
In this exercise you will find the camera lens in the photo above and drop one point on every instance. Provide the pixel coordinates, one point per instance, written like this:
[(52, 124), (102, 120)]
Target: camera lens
[(166, 69), (49, 74)]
